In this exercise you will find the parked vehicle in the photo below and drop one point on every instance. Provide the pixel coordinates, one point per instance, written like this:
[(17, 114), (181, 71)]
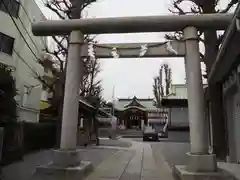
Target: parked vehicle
[(161, 129), (164, 132), (150, 134)]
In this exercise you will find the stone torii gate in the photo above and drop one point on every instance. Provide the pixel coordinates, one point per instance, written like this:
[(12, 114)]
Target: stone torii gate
[(200, 163)]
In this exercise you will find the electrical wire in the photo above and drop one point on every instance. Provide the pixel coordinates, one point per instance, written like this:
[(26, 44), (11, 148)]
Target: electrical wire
[(22, 59), (29, 35), (96, 45), (38, 77), (20, 31), (19, 56), (25, 11)]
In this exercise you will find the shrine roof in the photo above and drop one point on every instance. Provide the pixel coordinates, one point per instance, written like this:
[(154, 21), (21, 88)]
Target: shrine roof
[(125, 103)]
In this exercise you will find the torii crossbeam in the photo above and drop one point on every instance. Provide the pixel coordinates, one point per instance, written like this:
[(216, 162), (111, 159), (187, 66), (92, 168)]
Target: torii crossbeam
[(167, 23)]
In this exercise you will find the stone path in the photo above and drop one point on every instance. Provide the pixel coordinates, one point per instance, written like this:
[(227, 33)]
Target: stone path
[(137, 163)]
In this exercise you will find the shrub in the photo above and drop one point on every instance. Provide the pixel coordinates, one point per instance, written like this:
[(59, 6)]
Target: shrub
[(12, 144), (26, 138), (8, 114), (179, 128), (39, 136)]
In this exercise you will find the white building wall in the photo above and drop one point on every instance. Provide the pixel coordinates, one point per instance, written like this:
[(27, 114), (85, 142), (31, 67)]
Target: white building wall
[(179, 117), (28, 110), (231, 93), (179, 91)]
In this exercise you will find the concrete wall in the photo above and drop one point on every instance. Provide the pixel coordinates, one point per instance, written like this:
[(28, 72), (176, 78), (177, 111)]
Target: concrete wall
[(180, 90), (179, 117), (23, 74)]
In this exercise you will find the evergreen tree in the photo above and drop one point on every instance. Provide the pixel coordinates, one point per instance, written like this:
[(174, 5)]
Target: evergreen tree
[(8, 114)]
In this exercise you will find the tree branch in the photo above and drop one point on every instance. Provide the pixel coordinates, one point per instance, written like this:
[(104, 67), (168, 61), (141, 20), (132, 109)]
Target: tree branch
[(229, 6)]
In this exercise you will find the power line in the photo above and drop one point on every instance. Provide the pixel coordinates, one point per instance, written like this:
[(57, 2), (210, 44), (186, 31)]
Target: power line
[(22, 59), (25, 11), (19, 30), (28, 34), (33, 70)]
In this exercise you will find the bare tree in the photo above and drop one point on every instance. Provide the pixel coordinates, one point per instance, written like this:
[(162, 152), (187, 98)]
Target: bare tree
[(161, 89), (92, 85), (211, 41), (71, 9)]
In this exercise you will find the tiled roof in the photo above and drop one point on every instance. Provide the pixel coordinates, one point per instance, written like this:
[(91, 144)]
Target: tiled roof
[(121, 104), (89, 106)]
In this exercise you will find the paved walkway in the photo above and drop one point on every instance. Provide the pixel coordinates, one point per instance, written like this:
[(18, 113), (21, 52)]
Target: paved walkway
[(23, 170), (136, 163)]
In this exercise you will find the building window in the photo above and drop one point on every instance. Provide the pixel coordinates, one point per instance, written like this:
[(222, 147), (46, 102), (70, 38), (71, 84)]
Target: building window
[(6, 44), (12, 5)]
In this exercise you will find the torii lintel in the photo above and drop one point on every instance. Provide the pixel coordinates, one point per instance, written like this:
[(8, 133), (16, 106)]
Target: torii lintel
[(166, 23)]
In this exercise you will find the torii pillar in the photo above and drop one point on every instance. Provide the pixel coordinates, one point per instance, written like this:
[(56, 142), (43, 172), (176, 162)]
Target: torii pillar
[(198, 159), (201, 164)]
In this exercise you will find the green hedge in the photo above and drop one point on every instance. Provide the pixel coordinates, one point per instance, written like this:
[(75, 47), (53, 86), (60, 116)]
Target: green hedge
[(39, 136), (35, 136), (179, 128), (11, 150)]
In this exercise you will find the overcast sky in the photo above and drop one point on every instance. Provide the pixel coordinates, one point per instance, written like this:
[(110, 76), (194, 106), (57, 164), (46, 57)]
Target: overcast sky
[(131, 76)]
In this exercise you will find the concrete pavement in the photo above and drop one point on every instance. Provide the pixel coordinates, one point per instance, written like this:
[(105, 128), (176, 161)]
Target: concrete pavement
[(23, 170), (123, 159), (136, 163), (173, 152)]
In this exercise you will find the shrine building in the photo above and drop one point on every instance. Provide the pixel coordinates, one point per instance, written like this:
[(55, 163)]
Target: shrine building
[(134, 112)]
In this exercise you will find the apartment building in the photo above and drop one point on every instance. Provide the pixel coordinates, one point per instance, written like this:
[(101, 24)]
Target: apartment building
[(21, 51)]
